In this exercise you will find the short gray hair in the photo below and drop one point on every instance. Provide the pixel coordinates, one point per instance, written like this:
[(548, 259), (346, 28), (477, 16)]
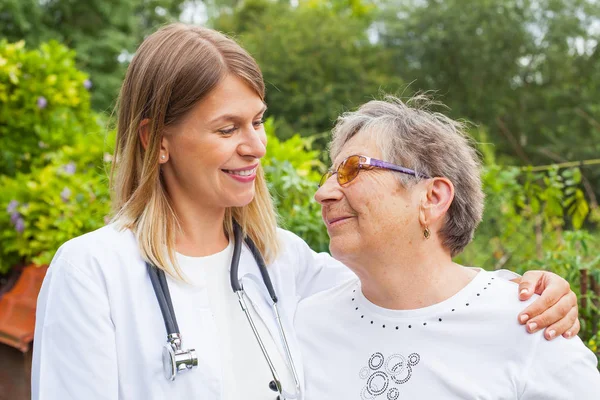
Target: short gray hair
[(411, 135)]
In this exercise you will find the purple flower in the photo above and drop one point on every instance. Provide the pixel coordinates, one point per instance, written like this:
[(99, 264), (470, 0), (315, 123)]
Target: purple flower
[(87, 84), (12, 206), (14, 217), (70, 168), (42, 102), (20, 225), (17, 220), (65, 194)]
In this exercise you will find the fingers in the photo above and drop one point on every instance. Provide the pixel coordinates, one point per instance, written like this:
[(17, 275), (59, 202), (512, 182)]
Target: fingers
[(528, 284), (561, 327), (559, 318), (552, 288), (574, 330)]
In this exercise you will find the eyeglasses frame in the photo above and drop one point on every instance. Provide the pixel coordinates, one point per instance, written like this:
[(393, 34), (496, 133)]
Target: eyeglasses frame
[(368, 164)]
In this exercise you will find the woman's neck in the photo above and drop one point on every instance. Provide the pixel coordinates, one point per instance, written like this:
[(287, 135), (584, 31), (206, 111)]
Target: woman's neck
[(202, 232), (406, 282)]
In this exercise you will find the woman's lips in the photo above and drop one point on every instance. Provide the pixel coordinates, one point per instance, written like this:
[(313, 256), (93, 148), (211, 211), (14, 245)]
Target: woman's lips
[(331, 222), (242, 174)]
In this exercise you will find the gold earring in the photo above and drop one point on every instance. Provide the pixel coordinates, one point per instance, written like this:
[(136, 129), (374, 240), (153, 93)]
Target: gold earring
[(426, 233)]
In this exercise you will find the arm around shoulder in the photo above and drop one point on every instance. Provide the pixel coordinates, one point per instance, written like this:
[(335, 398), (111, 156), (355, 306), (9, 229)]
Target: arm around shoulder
[(74, 354)]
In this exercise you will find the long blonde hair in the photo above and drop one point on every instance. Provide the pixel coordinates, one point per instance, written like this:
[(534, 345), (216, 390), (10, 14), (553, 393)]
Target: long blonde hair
[(172, 70)]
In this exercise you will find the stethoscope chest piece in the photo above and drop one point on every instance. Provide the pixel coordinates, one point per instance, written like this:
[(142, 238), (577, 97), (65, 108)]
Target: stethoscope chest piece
[(176, 360)]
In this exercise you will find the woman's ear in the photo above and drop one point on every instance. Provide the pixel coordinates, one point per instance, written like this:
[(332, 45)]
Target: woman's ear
[(144, 132), (438, 198)]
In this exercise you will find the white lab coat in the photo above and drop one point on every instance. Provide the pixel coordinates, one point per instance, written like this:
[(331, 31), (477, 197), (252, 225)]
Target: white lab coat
[(99, 330)]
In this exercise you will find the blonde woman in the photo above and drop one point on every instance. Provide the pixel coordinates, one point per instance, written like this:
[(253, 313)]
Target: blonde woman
[(187, 176)]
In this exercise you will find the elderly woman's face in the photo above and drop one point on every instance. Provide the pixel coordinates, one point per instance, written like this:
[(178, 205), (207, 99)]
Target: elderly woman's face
[(371, 214)]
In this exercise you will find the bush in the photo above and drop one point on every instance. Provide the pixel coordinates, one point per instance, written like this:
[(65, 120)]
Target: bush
[(42, 209), (44, 103), (293, 170)]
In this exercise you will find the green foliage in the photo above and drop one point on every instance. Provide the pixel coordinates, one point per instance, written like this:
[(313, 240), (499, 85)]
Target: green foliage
[(104, 33), (317, 62), (52, 146), (525, 214), (42, 209), (43, 103), (293, 170)]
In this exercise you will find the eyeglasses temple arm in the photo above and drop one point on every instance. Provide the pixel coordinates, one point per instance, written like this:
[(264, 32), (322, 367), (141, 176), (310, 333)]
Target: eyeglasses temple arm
[(386, 165)]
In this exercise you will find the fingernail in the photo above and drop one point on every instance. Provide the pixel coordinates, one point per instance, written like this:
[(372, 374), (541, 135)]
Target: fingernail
[(532, 326), (551, 334), (523, 317), (524, 291), (567, 334)]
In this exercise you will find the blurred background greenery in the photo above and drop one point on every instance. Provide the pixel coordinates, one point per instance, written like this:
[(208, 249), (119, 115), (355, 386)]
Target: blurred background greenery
[(525, 72)]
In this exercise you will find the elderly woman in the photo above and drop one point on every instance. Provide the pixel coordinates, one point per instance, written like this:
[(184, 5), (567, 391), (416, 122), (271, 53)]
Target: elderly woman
[(414, 324)]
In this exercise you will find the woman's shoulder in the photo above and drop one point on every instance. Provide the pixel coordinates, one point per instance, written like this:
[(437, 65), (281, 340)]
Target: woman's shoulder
[(106, 247), (109, 238), (289, 238), (293, 248)]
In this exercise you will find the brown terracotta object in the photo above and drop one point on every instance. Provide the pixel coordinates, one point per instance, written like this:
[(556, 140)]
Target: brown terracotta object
[(17, 308)]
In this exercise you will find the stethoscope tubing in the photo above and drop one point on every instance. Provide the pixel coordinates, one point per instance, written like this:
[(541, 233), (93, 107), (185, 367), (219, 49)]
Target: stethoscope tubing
[(261, 267), (161, 288)]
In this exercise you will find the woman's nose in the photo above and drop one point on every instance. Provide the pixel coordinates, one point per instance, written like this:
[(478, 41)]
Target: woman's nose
[(329, 192), (254, 143)]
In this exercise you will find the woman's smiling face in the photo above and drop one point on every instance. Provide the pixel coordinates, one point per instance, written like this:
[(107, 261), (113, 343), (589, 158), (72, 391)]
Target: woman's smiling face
[(214, 152), (371, 212)]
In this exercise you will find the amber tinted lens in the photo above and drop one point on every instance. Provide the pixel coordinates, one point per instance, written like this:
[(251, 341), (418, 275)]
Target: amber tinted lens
[(348, 169), (325, 177)]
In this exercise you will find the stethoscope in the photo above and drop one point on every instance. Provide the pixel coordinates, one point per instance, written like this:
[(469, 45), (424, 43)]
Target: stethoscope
[(176, 360)]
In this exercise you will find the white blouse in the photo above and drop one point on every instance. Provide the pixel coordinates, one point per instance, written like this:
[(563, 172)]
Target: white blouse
[(245, 371)]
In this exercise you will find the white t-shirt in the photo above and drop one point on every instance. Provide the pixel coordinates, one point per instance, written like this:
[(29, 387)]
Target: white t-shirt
[(469, 346), (244, 366)]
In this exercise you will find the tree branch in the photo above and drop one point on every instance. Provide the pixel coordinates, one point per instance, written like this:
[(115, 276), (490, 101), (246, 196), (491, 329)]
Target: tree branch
[(513, 141)]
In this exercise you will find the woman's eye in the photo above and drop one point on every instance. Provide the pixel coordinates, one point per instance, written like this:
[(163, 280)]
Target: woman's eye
[(228, 131), (259, 122)]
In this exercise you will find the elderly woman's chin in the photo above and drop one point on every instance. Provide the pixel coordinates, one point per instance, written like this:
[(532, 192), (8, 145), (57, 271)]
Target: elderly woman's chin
[(344, 247)]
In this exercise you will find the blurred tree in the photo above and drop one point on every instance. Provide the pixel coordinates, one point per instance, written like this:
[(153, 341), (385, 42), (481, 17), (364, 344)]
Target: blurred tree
[(317, 60), (103, 32), (528, 70)]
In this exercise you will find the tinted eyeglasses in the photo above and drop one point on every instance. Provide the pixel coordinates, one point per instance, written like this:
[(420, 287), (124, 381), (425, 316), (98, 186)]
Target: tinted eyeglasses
[(351, 166)]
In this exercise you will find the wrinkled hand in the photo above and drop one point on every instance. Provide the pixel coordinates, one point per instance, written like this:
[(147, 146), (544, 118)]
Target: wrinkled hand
[(556, 308)]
